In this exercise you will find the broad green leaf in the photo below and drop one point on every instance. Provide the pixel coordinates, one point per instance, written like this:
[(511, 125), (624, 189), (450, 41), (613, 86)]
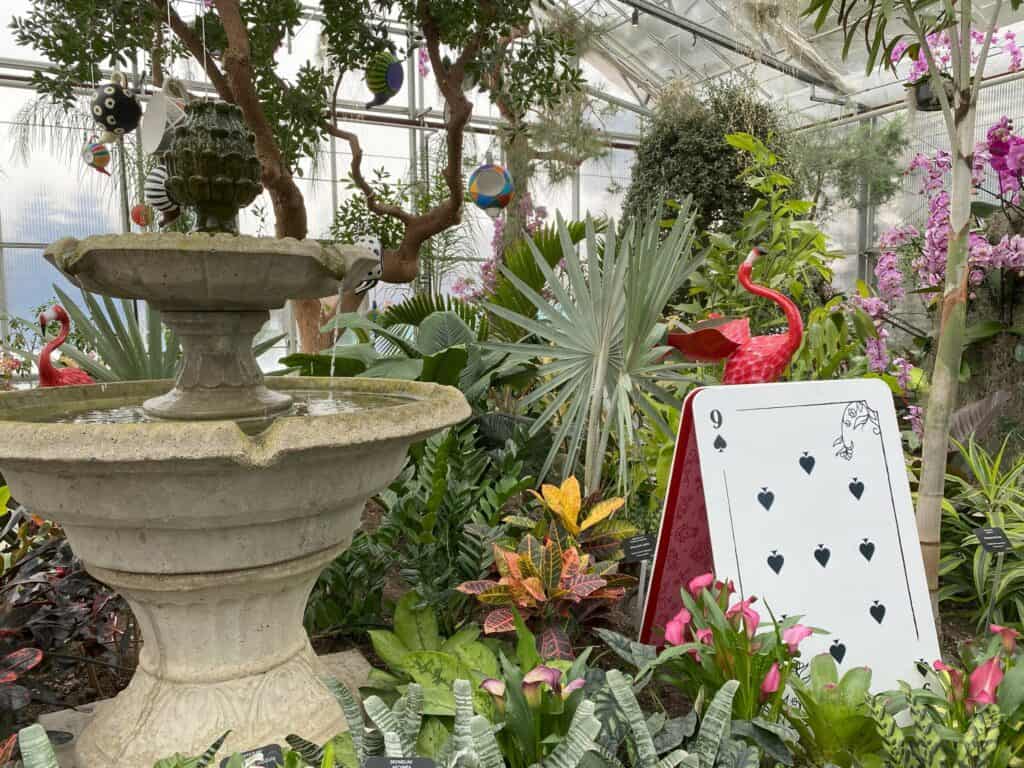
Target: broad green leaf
[(389, 647), (416, 626)]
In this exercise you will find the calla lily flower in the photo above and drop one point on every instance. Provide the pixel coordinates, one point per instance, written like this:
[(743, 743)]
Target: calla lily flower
[(494, 687), (497, 690), (575, 685), (984, 682), (704, 636), (795, 635), (675, 630), (751, 618), (565, 501), (956, 677), (535, 680), (542, 674), (1009, 635), (770, 684), (700, 583)]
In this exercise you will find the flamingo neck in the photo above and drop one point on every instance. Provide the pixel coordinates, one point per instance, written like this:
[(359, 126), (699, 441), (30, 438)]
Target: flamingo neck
[(47, 373), (795, 323)]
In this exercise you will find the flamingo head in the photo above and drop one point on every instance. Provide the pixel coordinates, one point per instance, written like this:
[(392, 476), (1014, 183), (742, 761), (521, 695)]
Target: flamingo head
[(754, 255), (52, 315)]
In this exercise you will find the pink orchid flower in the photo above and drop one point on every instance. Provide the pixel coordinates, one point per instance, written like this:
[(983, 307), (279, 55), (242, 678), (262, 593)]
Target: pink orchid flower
[(1009, 635), (984, 682), (675, 630), (795, 635), (770, 684), (751, 618), (699, 584)]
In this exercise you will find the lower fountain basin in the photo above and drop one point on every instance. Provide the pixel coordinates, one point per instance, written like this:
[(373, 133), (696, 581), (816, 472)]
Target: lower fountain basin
[(192, 497), (215, 537)]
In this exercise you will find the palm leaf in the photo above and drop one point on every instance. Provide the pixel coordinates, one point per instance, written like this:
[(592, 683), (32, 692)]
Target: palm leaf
[(418, 307), (596, 334)]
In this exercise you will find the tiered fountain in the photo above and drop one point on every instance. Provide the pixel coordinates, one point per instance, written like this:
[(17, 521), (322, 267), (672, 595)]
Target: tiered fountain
[(213, 502)]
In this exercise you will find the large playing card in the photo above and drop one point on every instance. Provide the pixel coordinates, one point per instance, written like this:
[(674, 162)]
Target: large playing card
[(809, 508)]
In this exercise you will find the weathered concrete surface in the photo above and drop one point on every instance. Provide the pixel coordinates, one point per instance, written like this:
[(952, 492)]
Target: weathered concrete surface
[(349, 667)]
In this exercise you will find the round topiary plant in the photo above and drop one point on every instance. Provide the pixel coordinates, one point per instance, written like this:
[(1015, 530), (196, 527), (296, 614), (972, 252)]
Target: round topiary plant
[(684, 152)]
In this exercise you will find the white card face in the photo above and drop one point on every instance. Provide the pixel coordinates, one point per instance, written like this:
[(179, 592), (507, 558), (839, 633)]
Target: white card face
[(809, 509)]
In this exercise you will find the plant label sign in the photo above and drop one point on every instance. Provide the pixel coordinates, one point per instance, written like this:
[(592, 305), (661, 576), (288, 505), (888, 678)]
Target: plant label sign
[(993, 540), (638, 548), (270, 756), (399, 762), (797, 492)]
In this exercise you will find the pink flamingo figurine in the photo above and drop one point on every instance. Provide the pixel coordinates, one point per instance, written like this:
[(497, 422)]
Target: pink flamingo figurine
[(748, 359), (58, 377)]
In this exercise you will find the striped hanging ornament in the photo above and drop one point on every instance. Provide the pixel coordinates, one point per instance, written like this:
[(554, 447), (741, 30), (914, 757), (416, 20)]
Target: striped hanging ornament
[(155, 193)]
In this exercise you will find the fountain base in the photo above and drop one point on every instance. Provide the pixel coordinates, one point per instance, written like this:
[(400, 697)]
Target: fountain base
[(227, 650)]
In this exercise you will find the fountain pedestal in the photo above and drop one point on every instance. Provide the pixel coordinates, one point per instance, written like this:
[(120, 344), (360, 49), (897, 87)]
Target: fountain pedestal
[(219, 373), (223, 648)]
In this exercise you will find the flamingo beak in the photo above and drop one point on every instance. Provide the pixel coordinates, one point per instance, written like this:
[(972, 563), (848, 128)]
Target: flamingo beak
[(42, 325)]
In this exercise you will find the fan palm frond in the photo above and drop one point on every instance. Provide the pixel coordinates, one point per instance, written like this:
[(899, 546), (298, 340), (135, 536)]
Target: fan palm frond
[(598, 335)]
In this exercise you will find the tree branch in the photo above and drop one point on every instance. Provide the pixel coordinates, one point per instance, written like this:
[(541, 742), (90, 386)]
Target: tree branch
[(289, 207), (195, 46)]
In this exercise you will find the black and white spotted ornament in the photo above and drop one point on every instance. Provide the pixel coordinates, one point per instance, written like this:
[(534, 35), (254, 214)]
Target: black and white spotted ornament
[(116, 110), (372, 275), (156, 194)]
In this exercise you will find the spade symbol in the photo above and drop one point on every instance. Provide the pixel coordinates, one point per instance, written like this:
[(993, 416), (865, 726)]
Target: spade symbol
[(807, 462), (838, 651), (822, 554), (856, 488), (775, 561), (867, 549), (720, 443), (766, 498), (877, 611)]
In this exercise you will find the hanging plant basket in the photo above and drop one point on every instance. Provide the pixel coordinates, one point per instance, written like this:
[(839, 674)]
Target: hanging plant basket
[(925, 97)]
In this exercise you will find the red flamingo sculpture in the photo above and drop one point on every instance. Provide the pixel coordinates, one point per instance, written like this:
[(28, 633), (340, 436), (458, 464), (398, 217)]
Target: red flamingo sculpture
[(748, 359), (49, 376)]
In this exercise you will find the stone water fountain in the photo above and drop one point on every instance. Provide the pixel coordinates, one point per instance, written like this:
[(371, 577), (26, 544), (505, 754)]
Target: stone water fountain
[(212, 503)]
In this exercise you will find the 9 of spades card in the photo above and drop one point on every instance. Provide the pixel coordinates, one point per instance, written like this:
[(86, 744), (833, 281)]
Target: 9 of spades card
[(809, 509)]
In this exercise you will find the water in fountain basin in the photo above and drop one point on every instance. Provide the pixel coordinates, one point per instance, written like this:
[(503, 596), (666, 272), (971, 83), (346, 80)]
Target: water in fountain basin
[(307, 403)]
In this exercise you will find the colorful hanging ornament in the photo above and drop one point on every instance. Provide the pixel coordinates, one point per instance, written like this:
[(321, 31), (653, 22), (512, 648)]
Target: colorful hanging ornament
[(114, 109), (490, 188), (384, 78), (155, 193), (96, 155), (142, 214)]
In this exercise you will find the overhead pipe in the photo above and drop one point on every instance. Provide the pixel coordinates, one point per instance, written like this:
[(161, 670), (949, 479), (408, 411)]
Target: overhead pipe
[(706, 33)]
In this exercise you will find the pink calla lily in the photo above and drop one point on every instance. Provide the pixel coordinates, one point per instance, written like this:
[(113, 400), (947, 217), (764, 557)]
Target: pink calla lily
[(770, 684), (751, 618), (675, 630), (574, 685), (984, 682), (699, 584), (494, 687), (795, 635), (1009, 635), (956, 677)]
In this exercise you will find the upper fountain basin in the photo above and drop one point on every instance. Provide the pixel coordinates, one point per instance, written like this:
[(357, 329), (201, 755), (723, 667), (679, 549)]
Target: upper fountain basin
[(204, 272), (199, 496)]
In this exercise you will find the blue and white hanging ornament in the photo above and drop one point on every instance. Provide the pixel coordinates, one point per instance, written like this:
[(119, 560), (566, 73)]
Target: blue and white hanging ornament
[(384, 77), (114, 108), (155, 193), (490, 188)]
